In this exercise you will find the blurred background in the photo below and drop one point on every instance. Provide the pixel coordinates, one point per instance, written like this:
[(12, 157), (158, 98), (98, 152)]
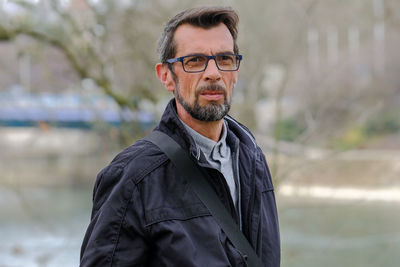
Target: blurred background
[(319, 86)]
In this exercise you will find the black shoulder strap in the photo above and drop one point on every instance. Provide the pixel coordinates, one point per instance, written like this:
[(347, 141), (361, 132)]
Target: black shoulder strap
[(206, 194)]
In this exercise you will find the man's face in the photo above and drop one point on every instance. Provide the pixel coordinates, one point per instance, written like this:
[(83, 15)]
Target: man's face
[(207, 95)]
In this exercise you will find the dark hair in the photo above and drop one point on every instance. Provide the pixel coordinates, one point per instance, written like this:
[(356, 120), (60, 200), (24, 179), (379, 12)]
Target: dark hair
[(204, 17)]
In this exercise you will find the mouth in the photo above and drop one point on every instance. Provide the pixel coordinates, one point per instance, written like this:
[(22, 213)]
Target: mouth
[(213, 95)]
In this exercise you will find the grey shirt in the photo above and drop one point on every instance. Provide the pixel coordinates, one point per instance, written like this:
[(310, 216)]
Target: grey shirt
[(219, 155)]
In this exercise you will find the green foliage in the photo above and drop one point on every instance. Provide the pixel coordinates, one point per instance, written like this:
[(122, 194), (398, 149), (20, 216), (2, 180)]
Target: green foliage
[(352, 138), (4, 36), (386, 123), (289, 129), (383, 123)]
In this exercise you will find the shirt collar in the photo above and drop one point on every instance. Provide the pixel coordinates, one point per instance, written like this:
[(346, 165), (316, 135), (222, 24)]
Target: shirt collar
[(210, 147)]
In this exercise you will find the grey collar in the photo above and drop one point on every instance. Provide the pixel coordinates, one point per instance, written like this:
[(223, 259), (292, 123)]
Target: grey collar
[(209, 147)]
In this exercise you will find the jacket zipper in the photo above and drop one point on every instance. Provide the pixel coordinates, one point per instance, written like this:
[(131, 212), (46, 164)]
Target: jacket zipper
[(236, 174)]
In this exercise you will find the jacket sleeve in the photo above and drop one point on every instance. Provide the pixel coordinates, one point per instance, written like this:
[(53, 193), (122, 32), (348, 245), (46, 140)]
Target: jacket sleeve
[(269, 236), (115, 236)]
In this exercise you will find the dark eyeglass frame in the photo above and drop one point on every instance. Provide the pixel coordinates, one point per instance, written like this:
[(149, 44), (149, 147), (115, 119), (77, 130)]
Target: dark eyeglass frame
[(180, 59)]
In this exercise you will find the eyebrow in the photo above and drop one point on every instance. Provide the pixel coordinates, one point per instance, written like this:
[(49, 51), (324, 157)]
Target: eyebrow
[(226, 52), (201, 54)]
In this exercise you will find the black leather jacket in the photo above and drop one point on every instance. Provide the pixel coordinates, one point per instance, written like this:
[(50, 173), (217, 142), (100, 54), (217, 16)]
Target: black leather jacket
[(145, 214)]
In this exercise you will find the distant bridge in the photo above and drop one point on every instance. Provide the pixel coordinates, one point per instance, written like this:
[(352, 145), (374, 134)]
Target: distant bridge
[(70, 109)]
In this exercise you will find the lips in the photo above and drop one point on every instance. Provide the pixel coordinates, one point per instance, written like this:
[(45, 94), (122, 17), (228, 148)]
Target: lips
[(212, 92), (213, 95)]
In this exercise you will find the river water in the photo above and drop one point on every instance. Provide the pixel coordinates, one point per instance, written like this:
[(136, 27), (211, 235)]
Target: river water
[(45, 227)]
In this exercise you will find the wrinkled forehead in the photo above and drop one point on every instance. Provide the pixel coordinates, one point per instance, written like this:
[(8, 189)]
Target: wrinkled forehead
[(190, 39)]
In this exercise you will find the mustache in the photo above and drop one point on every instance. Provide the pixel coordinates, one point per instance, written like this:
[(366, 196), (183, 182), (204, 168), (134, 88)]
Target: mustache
[(211, 87)]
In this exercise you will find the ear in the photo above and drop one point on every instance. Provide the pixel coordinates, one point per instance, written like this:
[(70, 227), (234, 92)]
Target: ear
[(165, 76), (235, 75), (235, 78)]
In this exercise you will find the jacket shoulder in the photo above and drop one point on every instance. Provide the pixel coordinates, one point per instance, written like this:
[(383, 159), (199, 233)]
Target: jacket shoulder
[(137, 160), (130, 165)]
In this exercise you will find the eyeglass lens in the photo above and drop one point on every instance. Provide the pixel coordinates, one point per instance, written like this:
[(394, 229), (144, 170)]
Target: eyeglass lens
[(198, 63)]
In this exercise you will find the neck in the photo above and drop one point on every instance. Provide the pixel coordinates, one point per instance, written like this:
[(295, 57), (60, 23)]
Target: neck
[(209, 129)]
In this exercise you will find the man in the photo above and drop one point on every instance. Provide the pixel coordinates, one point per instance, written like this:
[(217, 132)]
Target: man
[(144, 212)]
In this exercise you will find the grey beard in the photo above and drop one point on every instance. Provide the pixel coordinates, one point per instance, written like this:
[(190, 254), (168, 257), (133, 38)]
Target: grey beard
[(211, 112)]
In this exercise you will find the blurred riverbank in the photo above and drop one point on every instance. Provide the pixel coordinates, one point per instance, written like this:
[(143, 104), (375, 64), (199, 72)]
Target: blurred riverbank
[(55, 156), (51, 157)]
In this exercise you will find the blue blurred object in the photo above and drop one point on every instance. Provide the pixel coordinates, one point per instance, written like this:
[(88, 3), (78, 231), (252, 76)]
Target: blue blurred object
[(71, 109)]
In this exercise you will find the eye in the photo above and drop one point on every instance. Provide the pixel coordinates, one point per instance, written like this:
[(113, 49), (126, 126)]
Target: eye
[(225, 59), (195, 59)]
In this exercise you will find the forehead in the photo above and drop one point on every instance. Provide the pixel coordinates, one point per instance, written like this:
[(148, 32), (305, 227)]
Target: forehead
[(191, 39)]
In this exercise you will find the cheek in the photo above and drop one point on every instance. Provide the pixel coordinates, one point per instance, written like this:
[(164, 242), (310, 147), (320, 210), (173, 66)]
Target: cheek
[(189, 85)]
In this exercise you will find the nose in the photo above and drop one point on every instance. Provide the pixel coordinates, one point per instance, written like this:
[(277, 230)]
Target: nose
[(212, 73)]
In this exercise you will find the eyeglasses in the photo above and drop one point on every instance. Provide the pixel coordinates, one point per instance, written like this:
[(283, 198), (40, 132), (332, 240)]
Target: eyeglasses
[(198, 63)]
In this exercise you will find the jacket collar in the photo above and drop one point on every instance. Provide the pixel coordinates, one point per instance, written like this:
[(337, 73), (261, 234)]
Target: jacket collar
[(171, 125)]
